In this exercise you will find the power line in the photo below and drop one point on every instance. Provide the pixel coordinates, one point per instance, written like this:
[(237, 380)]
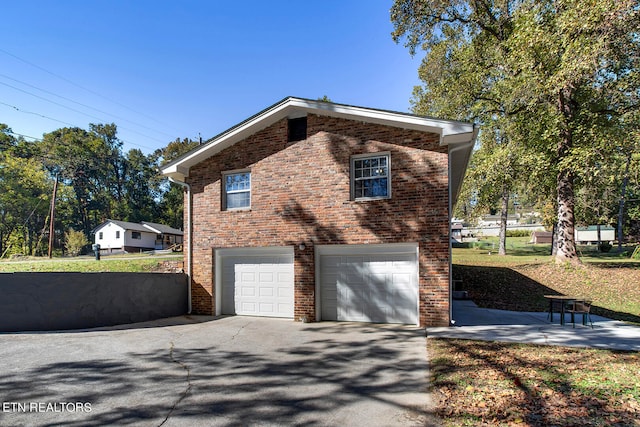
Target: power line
[(84, 105), (36, 114), (77, 111), (66, 123), (25, 136), (81, 87)]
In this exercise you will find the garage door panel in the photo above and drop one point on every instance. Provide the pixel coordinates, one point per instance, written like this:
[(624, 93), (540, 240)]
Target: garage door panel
[(266, 292), (285, 292), (380, 287), (266, 277), (247, 291), (258, 285), (266, 308), (248, 307)]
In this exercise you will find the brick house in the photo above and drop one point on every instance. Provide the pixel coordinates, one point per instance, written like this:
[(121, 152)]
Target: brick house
[(319, 211)]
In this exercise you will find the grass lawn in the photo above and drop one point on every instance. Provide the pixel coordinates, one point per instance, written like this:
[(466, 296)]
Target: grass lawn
[(134, 263), (486, 383), (519, 280), (478, 383)]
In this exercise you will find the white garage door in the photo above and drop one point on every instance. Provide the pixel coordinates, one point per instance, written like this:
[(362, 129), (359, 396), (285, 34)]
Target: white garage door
[(377, 283), (257, 282)]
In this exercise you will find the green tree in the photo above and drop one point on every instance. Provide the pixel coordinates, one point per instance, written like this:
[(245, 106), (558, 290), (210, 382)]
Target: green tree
[(142, 183), (172, 199), (564, 63), (464, 77), (75, 241), (110, 192), (24, 197), (74, 155)]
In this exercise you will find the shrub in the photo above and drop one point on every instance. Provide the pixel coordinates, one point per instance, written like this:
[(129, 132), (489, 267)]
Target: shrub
[(75, 241), (518, 233), (605, 247)]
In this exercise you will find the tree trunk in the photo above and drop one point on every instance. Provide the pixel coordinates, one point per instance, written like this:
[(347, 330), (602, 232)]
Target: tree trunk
[(566, 251), (503, 221), (623, 192)]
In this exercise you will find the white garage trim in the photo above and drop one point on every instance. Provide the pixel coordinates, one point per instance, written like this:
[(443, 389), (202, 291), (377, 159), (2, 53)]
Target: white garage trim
[(260, 266), (395, 263)]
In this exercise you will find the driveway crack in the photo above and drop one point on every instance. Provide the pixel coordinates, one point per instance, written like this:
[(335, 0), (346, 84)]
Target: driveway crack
[(186, 390), (238, 331)]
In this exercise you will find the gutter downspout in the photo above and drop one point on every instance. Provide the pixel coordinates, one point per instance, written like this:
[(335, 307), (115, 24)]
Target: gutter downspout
[(189, 238), (465, 145)]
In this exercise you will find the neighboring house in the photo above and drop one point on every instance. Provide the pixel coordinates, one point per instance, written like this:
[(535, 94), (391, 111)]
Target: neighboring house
[(590, 234), (319, 211), (121, 236), (494, 220), (166, 237)]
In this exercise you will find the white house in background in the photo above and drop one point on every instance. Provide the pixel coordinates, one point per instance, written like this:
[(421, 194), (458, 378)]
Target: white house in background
[(590, 234), (166, 237), (494, 220), (121, 236)]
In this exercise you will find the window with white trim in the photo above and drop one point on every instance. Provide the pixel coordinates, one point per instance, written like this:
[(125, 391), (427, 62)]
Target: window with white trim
[(237, 190), (371, 176)]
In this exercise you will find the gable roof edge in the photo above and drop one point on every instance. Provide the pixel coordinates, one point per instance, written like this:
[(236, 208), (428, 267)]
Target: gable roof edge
[(449, 131)]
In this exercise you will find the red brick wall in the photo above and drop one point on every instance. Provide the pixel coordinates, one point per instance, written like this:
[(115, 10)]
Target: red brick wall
[(300, 193)]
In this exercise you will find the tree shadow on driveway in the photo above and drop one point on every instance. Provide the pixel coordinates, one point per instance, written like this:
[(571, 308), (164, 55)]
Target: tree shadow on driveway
[(232, 371)]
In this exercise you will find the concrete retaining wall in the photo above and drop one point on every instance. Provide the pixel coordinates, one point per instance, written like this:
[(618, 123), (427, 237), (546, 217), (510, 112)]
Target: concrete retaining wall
[(56, 301)]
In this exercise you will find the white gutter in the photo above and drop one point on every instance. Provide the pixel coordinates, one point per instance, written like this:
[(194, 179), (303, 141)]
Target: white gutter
[(189, 238), (466, 146)]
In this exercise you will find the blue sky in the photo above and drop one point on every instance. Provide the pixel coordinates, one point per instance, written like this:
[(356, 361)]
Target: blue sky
[(164, 70)]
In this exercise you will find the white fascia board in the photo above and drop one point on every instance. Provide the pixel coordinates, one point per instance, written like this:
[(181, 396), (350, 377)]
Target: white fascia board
[(154, 230), (176, 171), (459, 138), (449, 131), (180, 169), (100, 227), (444, 128), (459, 156)]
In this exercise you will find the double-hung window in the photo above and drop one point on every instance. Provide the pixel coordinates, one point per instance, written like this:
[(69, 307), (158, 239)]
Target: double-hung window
[(371, 176), (237, 190)]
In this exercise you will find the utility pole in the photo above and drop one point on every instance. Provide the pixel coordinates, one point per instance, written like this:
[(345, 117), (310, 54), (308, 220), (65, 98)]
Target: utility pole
[(52, 216)]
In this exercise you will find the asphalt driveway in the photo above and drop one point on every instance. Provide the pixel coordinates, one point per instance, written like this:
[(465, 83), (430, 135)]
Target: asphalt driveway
[(232, 371)]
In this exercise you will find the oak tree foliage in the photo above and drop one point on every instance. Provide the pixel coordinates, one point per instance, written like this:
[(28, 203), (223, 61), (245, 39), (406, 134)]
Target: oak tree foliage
[(555, 84)]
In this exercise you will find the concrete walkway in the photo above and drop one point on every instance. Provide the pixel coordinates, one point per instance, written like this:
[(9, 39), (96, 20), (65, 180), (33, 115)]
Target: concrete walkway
[(472, 322)]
